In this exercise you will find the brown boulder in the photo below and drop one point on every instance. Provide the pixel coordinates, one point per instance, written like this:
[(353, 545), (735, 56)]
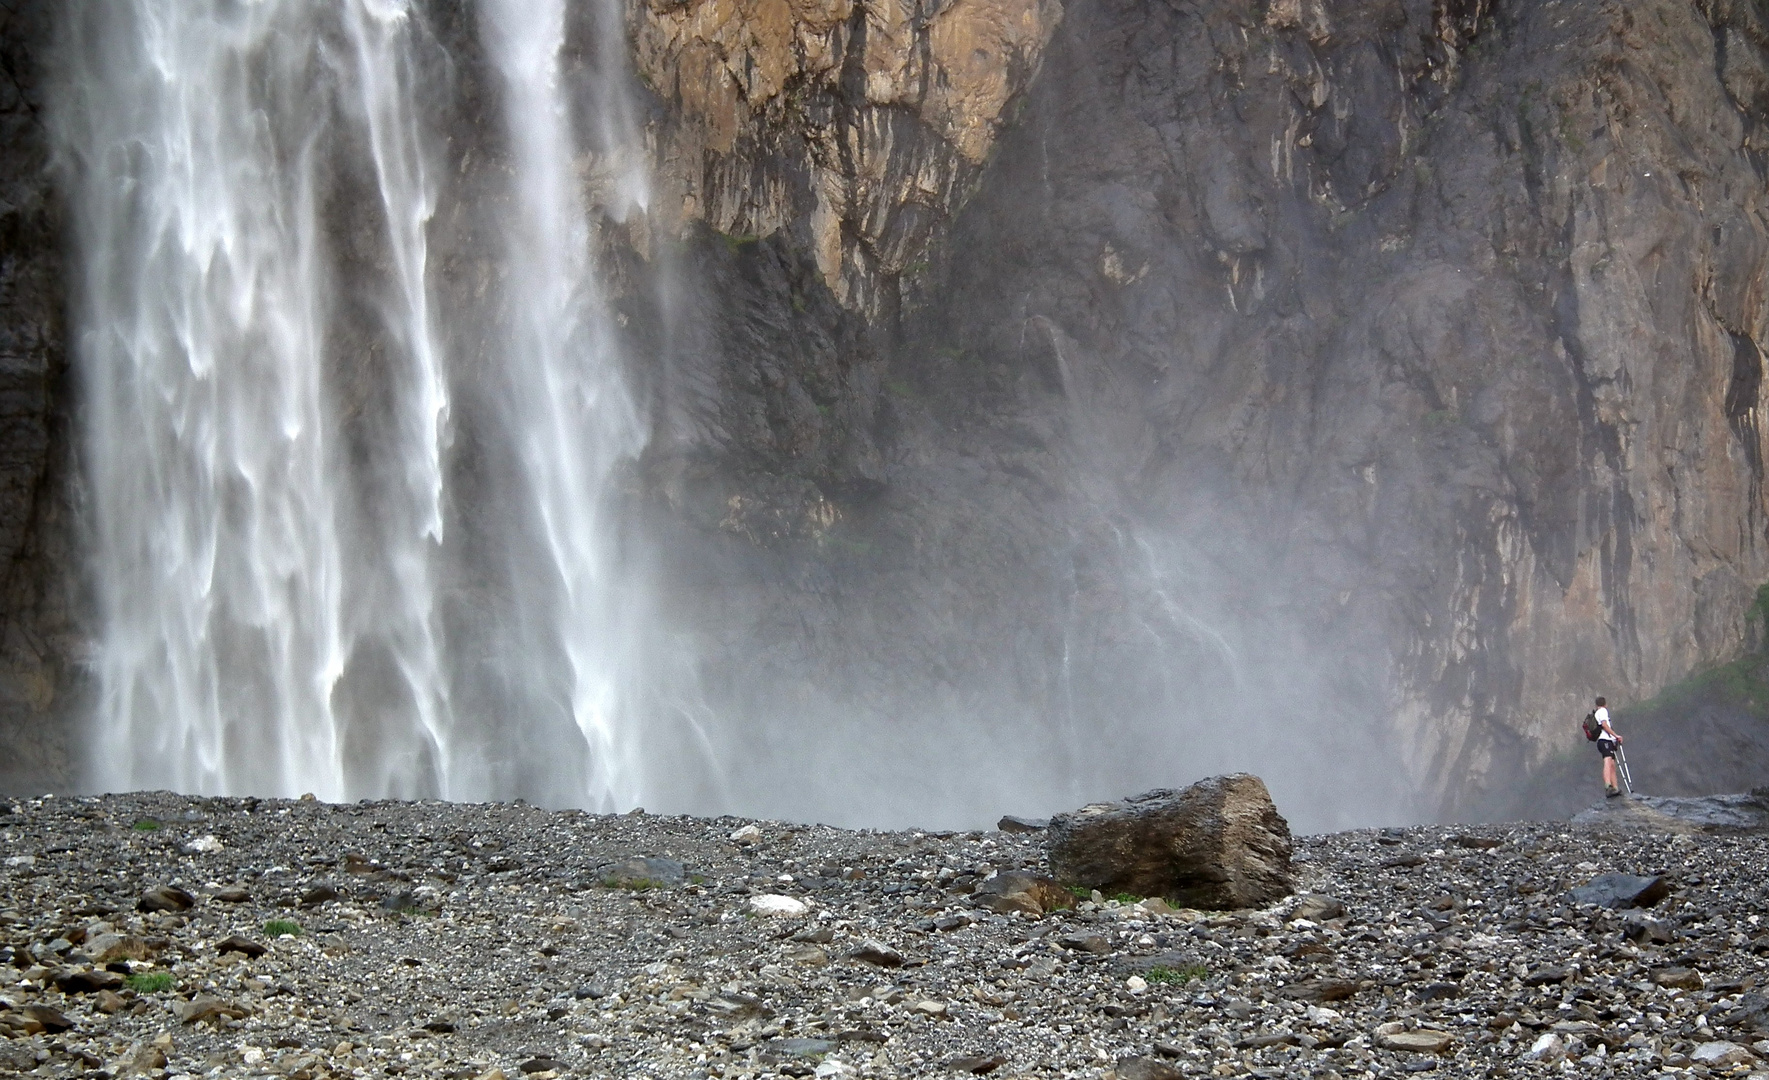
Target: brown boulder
[(1013, 890), (1218, 844)]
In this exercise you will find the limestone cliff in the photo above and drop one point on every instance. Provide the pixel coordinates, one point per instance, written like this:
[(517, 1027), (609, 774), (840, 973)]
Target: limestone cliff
[(857, 127)]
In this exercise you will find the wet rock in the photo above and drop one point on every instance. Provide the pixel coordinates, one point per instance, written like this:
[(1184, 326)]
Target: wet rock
[(1721, 1055), (644, 873), (541, 1064), (1217, 844), (1639, 926), (1677, 978), (207, 1007), (873, 951), (1095, 944), (239, 944), (1622, 891), (46, 1018), (111, 948), (165, 898), (1322, 989), (1547, 975), (87, 980), (1735, 813), (977, 1064), (1145, 1068), (1014, 890), (1750, 1014), (1318, 907)]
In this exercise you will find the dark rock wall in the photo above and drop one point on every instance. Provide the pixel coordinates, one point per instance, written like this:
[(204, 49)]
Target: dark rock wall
[(40, 680), (1413, 348)]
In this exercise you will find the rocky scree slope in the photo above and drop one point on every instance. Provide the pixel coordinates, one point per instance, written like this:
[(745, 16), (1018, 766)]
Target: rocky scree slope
[(156, 935)]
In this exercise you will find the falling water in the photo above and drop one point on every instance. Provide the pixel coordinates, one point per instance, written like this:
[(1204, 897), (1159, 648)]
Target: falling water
[(571, 416), (267, 404)]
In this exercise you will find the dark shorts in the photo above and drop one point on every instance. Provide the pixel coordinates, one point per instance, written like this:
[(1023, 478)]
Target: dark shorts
[(1606, 747)]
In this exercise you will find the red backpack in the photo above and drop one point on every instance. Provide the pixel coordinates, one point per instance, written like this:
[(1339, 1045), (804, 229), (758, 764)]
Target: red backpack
[(1592, 727)]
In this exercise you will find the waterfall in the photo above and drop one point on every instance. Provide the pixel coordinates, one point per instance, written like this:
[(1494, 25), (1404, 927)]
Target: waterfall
[(571, 416), (270, 385)]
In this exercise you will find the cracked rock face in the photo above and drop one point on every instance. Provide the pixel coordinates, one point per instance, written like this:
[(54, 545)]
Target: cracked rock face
[(858, 128), (1219, 843)]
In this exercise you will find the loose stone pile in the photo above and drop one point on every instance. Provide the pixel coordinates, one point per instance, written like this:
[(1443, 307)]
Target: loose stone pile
[(166, 936)]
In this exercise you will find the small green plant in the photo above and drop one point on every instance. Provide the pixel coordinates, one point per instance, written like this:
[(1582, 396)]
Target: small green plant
[(1760, 610), (1080, 892), (634, 884), (1440, 418), (1180, 975), (735, 242), (146, 824), (1128, 898), (150, 982), (279, 927)]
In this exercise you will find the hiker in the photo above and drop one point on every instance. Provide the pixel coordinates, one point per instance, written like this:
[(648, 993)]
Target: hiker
[(1607, 741)]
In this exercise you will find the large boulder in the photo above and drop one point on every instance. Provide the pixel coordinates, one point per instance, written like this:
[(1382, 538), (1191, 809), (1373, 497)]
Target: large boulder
[(1218, 844)]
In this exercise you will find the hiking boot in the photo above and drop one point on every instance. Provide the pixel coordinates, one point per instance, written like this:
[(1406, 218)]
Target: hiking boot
[(1610, 791)]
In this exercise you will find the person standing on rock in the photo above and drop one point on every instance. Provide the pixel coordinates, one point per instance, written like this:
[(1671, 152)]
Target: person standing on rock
[(1607, 741)]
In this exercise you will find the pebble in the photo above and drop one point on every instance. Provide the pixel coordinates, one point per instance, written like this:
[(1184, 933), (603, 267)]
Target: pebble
[(1475, 961)]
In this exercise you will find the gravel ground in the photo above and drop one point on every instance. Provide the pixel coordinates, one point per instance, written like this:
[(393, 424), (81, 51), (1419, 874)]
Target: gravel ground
[(432, 939)]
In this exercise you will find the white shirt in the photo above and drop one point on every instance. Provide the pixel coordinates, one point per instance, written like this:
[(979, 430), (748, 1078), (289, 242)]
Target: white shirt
[(1608, 732)]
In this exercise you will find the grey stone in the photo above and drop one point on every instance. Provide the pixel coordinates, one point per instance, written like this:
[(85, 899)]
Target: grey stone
[(165, 898), (1015, 890), (1217, 844), (1622, 891)]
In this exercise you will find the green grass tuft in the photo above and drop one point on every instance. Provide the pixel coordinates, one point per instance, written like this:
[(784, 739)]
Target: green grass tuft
[(146, 824), (150, 982), (1127, 898), (1178, 976), (633, 884), (279, 927)]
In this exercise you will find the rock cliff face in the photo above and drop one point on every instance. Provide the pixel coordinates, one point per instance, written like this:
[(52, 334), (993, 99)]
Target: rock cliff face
[(1413, 345), (1063, 400), (857, 128), (39, 642)]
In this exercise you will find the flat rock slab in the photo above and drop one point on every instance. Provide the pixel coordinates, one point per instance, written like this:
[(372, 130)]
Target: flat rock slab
[(1747, 812), (1417, 1041), (1622, 891), (1219, 844)]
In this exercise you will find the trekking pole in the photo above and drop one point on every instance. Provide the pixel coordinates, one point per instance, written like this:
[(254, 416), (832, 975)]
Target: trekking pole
[(1621, 762)]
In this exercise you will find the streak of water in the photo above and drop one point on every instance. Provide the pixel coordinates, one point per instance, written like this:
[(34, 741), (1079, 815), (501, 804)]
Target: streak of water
[(265, 604), (573, 416)]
